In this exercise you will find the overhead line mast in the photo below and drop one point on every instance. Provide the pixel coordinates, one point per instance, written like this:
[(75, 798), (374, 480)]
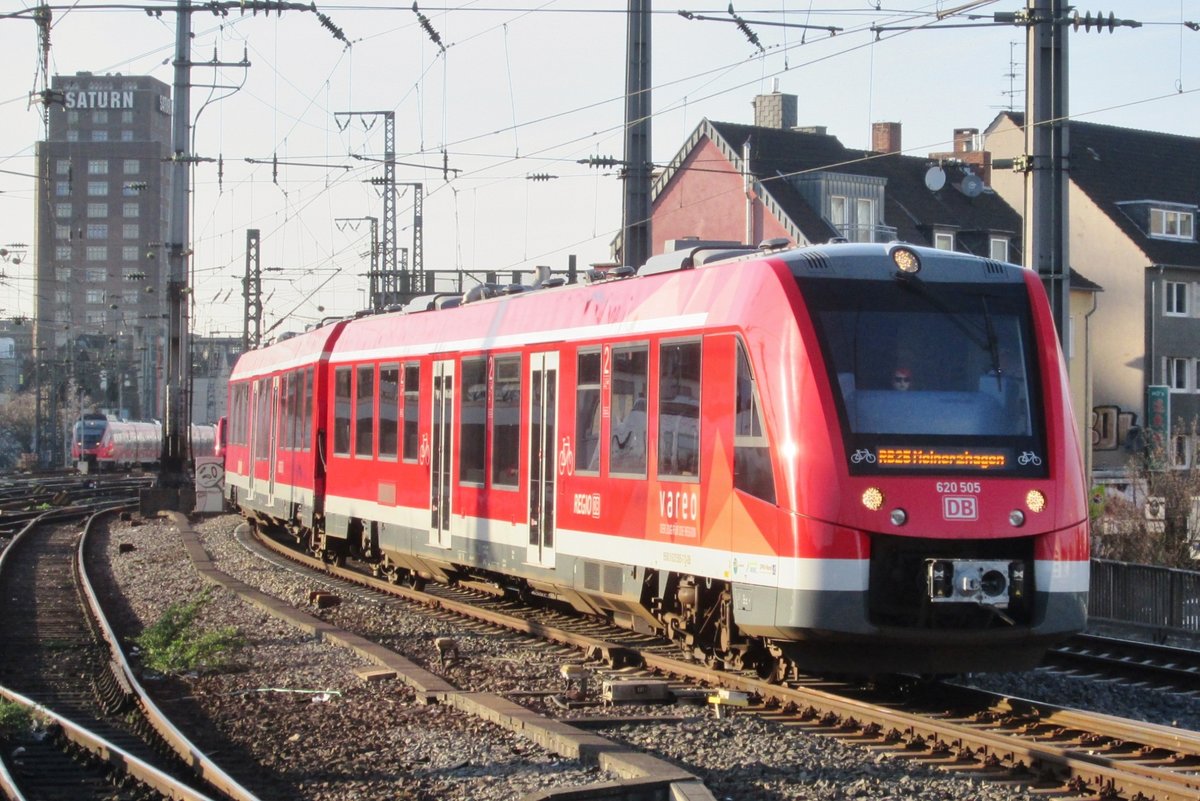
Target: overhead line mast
[(173, 475)]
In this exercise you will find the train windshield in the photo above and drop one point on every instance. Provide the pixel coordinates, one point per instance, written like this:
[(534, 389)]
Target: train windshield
[(89, 433), (931, 376)]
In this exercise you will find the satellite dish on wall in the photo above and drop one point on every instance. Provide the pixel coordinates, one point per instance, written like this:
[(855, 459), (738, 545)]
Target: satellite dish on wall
[(971, 185), (935, 178)]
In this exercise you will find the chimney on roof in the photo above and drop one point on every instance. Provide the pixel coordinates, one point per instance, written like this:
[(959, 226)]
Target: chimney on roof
[(885, 137), (966, 151), (776, 110), (964, 140)]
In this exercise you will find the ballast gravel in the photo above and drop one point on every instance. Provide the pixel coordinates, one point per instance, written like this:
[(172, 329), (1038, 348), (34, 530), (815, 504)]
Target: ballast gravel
[(317, 731)]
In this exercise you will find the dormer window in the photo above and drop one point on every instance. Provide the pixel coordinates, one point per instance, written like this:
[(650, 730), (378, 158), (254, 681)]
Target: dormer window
[(998, 248), (1162, 219), (943, 240), (1172, 224)]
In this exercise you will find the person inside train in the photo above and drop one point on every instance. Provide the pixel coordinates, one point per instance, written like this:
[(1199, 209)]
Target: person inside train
[(902, 379)]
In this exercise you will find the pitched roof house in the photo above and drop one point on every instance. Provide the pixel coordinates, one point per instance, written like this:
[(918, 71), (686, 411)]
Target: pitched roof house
[(753, 182), (1132, 227)]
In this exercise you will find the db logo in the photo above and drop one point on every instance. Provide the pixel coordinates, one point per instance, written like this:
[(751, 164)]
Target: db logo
[(960, 507)]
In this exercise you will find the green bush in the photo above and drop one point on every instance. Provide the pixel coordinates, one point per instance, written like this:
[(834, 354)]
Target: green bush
[(175, 643), (15, 719)]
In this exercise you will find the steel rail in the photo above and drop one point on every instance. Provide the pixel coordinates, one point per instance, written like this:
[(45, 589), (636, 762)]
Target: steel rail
[(1079, 766), (111, 754), (200, 763)]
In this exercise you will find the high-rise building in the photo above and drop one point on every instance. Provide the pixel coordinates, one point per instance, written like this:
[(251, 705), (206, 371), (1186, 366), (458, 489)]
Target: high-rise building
[(101, 218)]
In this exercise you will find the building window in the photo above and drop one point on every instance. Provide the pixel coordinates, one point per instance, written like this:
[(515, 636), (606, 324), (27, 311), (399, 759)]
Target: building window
[(62, 231), (126, 117), (131, 166), (96, 317), (943, 240), (62, 274), (96, 253), (1177, 374), (99, 118), (97, 210), (95, 275), (129, 231), (62, 252), (1181, 450), (62, 297), (62, 167), (129, 253), (1172, 224), (95, 296), (1175, 298), (132, 274), (72, 136), (99, 136), (837, 213), (62, 188), (129, 210), (97, 231), (864, 209), (998, 248), (72, 118), (97, 166), (126, 136), (62, 210), (97, 188)]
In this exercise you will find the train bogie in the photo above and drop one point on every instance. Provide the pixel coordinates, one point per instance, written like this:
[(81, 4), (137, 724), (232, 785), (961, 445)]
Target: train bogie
[(718, 454)]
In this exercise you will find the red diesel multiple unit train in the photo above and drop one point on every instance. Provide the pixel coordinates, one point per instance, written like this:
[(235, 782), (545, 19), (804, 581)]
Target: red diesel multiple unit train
[(851, 458), (101, 443)]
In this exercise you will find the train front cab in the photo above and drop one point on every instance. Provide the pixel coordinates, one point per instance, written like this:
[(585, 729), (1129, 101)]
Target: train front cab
[(948, 530)]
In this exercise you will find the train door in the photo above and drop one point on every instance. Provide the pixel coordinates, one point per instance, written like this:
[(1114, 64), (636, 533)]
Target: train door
[(441, 455), (543, 456), (262, 423), (272, 439)]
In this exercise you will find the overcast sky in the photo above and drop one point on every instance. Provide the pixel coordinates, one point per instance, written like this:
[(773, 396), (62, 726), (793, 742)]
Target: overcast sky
[(525, 88)]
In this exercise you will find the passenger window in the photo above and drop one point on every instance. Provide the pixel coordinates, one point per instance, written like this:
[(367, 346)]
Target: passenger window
[(389, 409), (412, 395), (473, 421), (341, 411), (627, 454), (364, 431), (752, 472), (307, 403), (506, 421), (587, 413), (679, 410)]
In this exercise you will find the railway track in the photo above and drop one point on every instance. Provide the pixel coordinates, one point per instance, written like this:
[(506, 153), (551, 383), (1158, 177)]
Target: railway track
[(104, 738), (1163, 666), (1053, 751)]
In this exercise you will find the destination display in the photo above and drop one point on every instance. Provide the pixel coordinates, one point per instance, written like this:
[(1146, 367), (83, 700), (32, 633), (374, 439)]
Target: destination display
[(942, 458)]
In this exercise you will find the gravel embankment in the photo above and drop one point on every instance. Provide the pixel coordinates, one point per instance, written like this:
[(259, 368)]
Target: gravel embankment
[(353, 739)]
